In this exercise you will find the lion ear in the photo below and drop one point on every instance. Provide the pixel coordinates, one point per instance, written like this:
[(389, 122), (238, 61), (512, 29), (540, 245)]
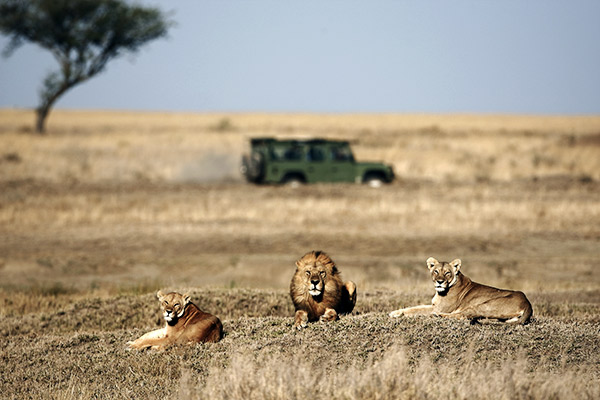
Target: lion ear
[(456, 265), (186, 298), (431, 262), (159, 295)]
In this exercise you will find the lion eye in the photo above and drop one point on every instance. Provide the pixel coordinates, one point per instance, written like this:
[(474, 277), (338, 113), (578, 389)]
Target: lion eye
[(436, 272), (307, 273), (323, 273), (447, 274)]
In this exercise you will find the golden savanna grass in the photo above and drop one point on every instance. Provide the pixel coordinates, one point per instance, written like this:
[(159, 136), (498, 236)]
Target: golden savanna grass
[(108, 207), (95, 146)]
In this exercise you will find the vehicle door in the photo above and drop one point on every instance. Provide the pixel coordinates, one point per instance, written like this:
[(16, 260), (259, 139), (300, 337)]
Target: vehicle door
[(318, 169), (286, 158), (341, 163)]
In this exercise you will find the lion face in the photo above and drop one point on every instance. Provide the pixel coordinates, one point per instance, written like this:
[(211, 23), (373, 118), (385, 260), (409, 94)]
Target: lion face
[(443, 274), (173, 305), (314, 269)]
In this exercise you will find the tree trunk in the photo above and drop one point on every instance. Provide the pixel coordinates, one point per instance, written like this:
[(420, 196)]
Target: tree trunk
[(41, 114), (48, 98)]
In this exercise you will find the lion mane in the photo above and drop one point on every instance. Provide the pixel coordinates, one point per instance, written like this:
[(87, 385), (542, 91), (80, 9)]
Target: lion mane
[(185, 324), (317, 290), (459, 297)]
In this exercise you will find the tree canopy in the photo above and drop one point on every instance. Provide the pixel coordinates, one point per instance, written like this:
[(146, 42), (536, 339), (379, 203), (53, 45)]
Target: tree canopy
[(82, 35)]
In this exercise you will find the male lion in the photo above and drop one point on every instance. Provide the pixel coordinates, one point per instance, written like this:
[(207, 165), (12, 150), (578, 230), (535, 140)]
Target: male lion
[(459, 297), (185, 323), (317, 290)]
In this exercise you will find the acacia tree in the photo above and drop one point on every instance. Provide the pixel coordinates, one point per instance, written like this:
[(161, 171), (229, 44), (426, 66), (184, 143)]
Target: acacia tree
[(82, 35)]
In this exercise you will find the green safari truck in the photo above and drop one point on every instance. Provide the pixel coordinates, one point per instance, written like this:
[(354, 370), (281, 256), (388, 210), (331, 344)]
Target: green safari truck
[(295, 162)]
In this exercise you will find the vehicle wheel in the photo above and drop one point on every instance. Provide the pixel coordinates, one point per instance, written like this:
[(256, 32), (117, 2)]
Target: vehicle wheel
[(253, 166), (374, 181), (293, 181)]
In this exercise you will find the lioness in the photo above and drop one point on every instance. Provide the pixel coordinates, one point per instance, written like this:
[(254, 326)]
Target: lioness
[(185, 323), (459, 297), (318, 291)]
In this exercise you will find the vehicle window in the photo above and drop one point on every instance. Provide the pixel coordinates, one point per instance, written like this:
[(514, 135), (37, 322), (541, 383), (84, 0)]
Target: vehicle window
[(278, 153), (316, 154), (341, 153), (294, 153)]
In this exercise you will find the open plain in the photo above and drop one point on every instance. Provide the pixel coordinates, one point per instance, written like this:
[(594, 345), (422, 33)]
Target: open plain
[(108, 207)]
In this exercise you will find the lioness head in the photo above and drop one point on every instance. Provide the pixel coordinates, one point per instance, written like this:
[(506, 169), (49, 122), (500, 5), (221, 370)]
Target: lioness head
[(443, 274), (173, 305), (314, 270)]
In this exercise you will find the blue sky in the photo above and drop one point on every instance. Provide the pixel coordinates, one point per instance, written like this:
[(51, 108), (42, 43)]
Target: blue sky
[(527, 57)]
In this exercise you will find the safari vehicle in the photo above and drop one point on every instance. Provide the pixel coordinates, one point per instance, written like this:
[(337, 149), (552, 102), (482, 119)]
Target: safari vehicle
[(295, 162)]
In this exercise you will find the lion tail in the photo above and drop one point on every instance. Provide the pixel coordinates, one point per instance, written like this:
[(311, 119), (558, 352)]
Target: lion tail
[(525, 318), (527, 311)]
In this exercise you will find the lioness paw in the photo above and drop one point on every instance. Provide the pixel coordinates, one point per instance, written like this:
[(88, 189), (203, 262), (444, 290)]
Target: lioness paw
[(132, 346)]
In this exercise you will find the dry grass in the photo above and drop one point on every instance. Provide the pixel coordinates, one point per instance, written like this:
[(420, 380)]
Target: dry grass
[(109, 207), (484, 208), (101, 146), (78, 351), (394, 376)]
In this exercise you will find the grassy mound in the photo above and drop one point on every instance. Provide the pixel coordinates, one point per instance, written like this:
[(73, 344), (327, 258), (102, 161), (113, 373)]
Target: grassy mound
[(79, 351)]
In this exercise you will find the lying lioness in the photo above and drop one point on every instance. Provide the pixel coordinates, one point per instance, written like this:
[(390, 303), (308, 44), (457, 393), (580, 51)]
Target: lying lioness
[(459, 297), (185, 323)]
